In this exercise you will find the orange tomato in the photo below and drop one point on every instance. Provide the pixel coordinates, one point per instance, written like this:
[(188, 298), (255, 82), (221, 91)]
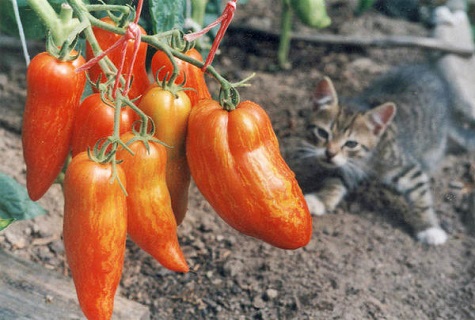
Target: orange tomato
[(235, 161), (170, 114), (94, 232), (151, 223)]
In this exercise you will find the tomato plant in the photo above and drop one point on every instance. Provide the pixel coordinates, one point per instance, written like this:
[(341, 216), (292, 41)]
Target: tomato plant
[(170, 112), (94, 232), (53, 94), (151, 223), (145, 142), (234, 159)]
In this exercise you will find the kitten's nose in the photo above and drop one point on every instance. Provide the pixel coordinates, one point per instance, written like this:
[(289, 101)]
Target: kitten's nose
[(331, 150), (330, 154)]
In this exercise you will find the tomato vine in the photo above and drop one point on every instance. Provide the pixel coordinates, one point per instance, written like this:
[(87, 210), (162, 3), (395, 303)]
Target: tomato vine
[(129, 176)]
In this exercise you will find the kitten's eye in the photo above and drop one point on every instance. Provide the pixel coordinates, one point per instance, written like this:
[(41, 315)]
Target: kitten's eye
[(322, 133), (351, 144)]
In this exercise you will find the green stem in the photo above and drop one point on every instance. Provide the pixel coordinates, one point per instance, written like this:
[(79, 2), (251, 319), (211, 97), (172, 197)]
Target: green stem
[(228, 91), (285, 34), (60, 26), (143, 117), (117, 116), (81, 10), (84, 17), (108, 7), (198, 11)]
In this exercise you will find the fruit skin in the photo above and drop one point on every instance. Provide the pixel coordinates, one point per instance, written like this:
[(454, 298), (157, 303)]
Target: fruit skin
[(94, 233), (151, 223), (53, 94), (169, 112), (235, 161), (106, 39), (95, 120), (195, 80)]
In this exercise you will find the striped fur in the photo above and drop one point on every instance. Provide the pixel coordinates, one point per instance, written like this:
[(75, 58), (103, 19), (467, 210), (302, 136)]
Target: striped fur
[(395, 131)]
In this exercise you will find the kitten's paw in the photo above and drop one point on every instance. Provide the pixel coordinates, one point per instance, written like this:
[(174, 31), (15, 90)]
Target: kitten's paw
[(433, 236), (315, 206)]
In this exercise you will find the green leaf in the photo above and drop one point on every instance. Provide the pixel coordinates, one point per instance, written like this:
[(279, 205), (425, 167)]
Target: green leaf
[(5, 223), (167, 14), (15, 203), (32, 25)]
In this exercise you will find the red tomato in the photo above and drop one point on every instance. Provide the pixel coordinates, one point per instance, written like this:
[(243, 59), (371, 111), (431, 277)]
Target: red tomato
[(95, 120), (195, 79), (94, 232), (170, 113), (151, 223), (53, 94), (106, 39), (235, 161)]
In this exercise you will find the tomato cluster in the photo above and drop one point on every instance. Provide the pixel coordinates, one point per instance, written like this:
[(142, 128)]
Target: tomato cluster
[(138, 185)]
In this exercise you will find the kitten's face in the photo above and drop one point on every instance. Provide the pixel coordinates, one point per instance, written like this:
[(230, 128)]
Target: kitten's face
[(340, 138)]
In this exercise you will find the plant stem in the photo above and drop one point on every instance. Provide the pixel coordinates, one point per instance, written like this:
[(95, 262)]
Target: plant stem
[(108, 7), (198, 11), (285, 34), (153, 41), (143, 117), (84, 17), (60, 26)]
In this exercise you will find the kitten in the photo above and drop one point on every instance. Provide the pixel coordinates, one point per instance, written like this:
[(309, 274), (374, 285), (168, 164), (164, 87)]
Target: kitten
[(396, 132)]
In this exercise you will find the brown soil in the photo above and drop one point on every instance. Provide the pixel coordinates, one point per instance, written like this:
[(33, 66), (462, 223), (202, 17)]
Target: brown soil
[(362, 262)]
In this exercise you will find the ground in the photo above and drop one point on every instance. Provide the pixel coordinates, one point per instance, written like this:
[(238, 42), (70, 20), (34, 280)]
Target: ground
[(362, 261)]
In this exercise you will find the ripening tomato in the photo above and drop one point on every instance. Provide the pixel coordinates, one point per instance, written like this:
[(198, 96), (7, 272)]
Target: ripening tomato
[(95, 121), (53, 94), (235, 161), (194, 76), (94, 232), (151, 223), (106, 39), (170, 113)]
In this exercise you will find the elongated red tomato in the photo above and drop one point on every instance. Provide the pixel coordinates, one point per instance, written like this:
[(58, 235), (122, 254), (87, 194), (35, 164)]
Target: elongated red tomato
[(94, 232), (195, 79), (151, 223), (170, 113), (95, 120), (106, 39), (53, 94), (235, 161)]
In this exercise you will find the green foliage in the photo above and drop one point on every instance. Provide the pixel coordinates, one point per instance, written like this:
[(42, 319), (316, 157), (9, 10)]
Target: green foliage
[(166, 14), (32, 25), (15, 203)]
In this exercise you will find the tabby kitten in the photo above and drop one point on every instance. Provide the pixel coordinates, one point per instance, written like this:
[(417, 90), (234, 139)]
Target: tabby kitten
[(396, 131)]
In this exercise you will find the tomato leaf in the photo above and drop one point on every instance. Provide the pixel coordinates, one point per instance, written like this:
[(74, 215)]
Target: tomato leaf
[(5, 223), (167, 14), (32, 25), (15, 203)]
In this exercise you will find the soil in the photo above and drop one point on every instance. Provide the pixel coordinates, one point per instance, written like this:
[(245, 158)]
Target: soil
[(362, 262)]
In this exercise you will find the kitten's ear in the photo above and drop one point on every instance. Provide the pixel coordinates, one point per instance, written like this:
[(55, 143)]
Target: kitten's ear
[(381, 116), (324, 96)]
